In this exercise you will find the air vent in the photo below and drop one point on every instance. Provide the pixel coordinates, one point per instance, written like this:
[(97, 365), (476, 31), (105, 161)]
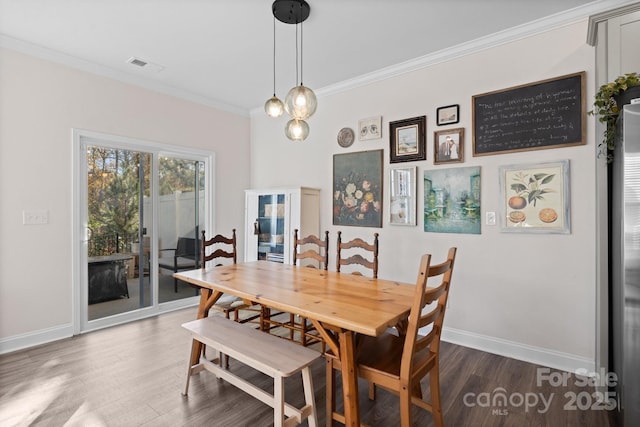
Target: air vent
[(137, 61)]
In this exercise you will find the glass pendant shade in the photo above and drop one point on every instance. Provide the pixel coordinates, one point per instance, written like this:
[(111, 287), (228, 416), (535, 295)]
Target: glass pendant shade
[(296, 130), (301, 102), (274, 107)]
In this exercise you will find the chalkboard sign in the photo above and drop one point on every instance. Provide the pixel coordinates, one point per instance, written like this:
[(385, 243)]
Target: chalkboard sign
[(535, 116)]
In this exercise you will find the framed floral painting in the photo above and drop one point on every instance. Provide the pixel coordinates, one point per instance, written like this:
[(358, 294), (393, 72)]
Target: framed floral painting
[(357, 189), (535, 198)]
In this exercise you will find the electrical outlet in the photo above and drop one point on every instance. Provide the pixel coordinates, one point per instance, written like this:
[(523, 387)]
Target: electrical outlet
[(35, 217), (490, 218)]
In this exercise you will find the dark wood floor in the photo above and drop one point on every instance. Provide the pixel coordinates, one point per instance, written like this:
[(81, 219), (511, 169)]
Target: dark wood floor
[(132, 375)]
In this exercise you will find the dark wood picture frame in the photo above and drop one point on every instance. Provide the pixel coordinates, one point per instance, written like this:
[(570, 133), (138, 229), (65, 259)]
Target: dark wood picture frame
[(407, 140), (448, 146), (448, 115)]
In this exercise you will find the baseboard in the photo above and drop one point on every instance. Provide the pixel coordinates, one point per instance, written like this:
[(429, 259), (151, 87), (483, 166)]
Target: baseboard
[(43, 336), (537, 355), (527, 353)]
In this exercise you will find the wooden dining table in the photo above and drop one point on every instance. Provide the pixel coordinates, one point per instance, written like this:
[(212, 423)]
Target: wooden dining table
[(340, 305)]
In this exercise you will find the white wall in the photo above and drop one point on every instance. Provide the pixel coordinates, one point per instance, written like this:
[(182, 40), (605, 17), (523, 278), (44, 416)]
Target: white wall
[(523, 295), (40, 103)]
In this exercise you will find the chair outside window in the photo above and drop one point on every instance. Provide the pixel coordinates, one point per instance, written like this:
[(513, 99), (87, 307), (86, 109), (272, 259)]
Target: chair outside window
[(313, 253), (350, 253), (397, 362), (183, 257)]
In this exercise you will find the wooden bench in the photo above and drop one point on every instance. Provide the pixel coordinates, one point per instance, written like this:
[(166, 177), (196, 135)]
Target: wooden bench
[(266, 353)]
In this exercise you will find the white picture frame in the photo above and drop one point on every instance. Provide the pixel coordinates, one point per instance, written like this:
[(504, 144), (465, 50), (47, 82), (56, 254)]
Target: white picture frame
[(370, 128), (535, 198), (402, 206)]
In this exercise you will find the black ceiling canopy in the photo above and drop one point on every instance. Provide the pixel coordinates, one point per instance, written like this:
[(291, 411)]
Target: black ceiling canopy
[(291, 11)]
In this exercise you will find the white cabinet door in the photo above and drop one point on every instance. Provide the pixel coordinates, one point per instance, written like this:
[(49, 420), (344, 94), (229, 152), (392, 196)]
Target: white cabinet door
[(272, 215)]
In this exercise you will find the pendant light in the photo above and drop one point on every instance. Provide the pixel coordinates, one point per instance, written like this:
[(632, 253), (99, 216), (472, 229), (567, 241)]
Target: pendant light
[(296, 130), (274, 107), (300, 102)]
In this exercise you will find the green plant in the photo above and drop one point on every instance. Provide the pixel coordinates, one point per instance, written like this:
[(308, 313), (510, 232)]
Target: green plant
[(608, 111)]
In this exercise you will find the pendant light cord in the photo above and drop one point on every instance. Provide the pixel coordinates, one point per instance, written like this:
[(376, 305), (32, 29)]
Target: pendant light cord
[(301, 50), (274, 55), (297, 54)]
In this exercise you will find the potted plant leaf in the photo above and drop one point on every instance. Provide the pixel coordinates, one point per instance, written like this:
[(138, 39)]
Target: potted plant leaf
[(608, 104)]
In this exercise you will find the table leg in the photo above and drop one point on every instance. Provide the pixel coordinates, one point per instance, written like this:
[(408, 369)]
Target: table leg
[(207, 299), (349, 378), (344, 349)]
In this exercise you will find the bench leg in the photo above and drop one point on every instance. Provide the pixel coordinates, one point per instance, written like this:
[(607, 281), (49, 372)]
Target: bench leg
[(278, 401), (307, 384), (186, 387)]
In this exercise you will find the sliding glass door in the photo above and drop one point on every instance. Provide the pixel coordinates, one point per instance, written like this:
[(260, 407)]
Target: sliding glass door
[(117, 264), (180, 219), (140, 209)]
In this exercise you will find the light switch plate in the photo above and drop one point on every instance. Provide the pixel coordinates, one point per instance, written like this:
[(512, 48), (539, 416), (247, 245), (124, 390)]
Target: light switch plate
[(35, 217), (490, 218)]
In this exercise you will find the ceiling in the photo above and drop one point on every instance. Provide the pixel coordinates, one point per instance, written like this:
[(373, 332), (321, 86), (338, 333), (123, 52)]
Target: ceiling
[(220, 52)]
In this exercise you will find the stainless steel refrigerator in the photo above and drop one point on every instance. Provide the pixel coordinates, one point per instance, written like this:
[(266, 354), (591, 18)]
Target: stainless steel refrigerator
[(625, 267)]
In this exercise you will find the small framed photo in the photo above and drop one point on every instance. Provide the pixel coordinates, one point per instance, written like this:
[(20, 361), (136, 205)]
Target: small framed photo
[(448, 146), (402, 209), (407, 140), (370, 128), (535, 198), (448, 115)]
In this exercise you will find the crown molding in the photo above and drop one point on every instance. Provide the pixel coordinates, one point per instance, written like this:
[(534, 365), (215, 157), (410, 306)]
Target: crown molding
[(532, 28), (101, 70), (596, 11), (539, 26)]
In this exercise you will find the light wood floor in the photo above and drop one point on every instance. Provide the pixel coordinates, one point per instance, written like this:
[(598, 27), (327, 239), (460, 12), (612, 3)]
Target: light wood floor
[(133, 375)]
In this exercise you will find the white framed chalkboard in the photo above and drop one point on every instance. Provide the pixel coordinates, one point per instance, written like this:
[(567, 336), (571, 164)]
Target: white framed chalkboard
[(535, 116)]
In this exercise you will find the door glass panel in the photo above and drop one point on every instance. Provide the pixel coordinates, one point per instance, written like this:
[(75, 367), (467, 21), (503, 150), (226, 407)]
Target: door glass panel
[(118, 187), (271, 211), (181, 206)]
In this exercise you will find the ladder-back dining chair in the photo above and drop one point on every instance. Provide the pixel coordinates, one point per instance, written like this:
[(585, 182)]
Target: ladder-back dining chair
[(311, 252), (397, 362), (351, 253), (220, 250), (361, 255)]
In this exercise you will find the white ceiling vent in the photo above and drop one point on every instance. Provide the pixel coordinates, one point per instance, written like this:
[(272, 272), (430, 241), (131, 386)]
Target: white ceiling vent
[(137, 61), (145, 65)]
